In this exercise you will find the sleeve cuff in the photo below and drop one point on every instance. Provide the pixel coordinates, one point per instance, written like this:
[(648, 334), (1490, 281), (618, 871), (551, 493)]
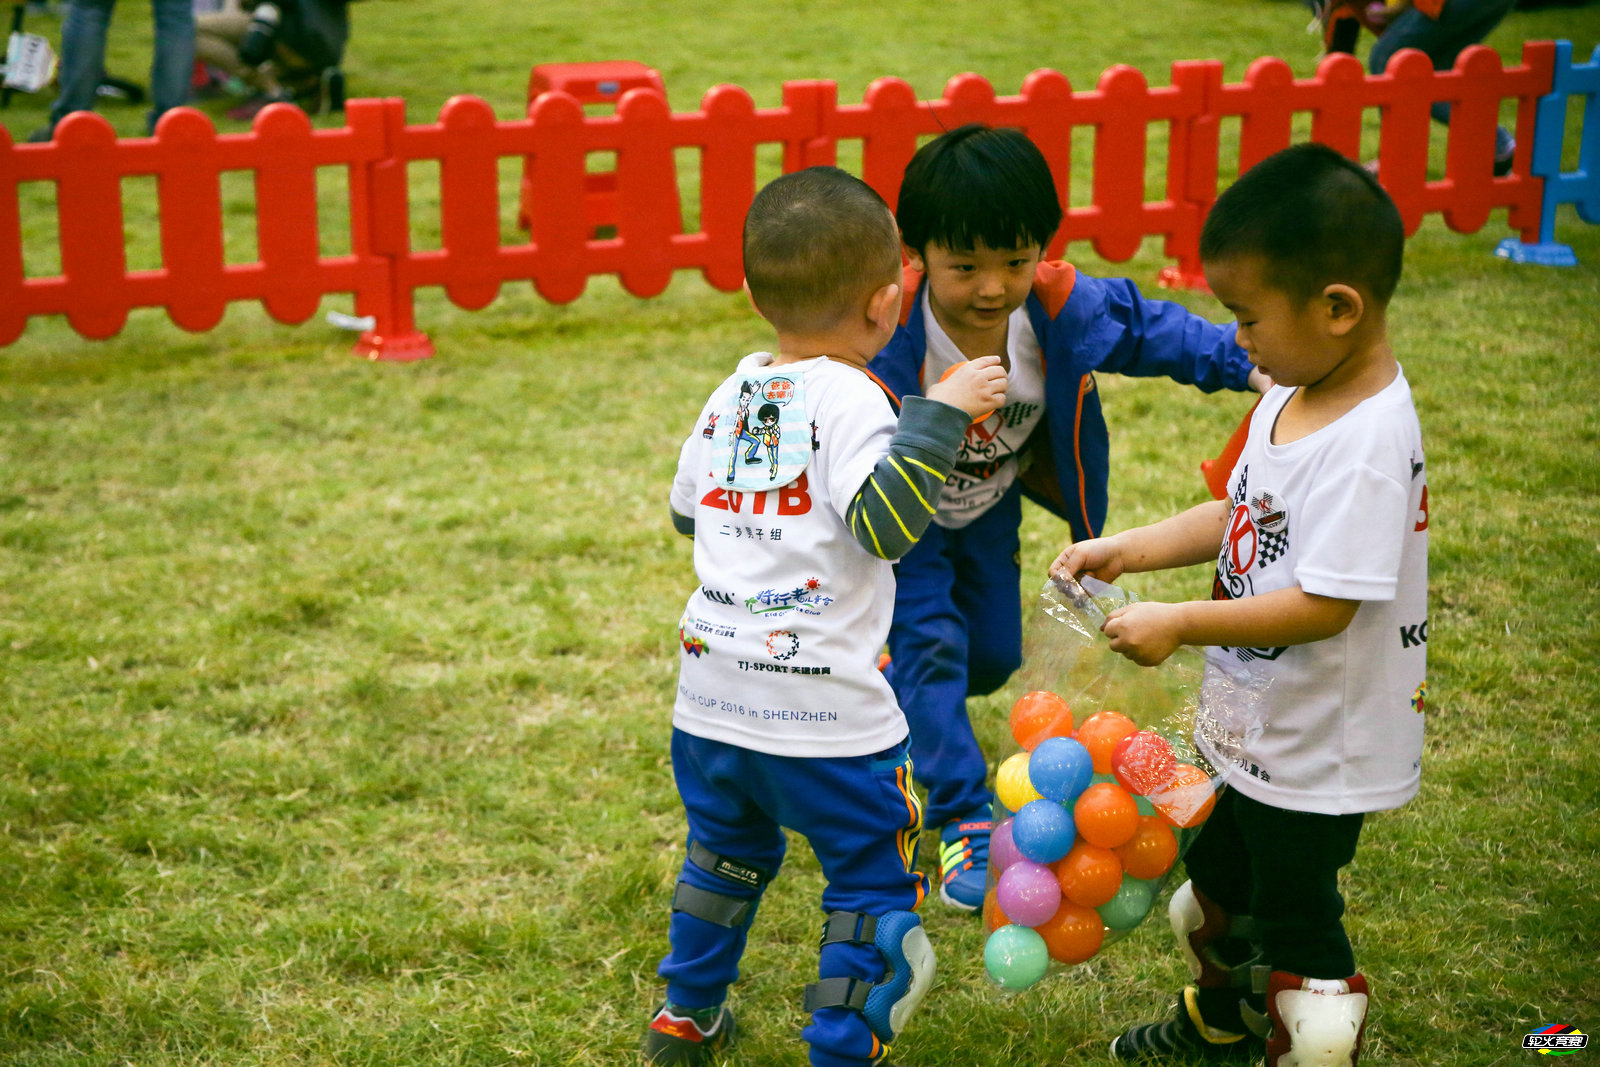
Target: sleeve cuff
[(932, 427)]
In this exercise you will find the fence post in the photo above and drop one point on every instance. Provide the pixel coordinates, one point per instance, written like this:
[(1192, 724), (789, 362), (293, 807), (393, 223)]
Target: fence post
[(13, 309), (727, 182), (1580, 187), (648, 210), (394, 336), (1192, 170)]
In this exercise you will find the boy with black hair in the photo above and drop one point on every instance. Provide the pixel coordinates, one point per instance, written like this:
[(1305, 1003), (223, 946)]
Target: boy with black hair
[(978, 207), (782, 718), (1321, 590)]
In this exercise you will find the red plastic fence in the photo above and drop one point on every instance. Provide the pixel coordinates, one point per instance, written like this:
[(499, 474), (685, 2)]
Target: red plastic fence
[(96, 290)]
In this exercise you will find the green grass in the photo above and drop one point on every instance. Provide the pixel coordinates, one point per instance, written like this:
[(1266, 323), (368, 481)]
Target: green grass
[(335, 702)]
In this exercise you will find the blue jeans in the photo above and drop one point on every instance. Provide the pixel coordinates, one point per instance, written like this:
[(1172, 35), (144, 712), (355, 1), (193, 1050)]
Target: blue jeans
[(83, 56), (1460, 23)]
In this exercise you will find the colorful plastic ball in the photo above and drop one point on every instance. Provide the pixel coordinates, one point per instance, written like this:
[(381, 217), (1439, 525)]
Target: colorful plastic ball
[(1128, 908), (1151, 851), (1090, 875), (1011, 783), (993, 917), (1145, 805), (1042, 831), (1028, 892), (1015, 957), (1060, 769), (1073, 933), (1002, 846), (1142, 761), (1106, 815), (1100, 733), (1038, 715), (1186, 798)]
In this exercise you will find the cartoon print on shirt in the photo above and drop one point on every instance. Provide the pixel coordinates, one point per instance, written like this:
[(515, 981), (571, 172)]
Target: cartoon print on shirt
[(1257, 533), (741, 427), (767, 433)]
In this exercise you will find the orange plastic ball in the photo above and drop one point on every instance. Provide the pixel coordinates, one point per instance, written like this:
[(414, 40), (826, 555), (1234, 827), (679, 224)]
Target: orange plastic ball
[(1186, 798), (1073, 933), (993, 917), (1091, 875), (1100, 733), (1038, 715), (1151, 851), (1106, 815)]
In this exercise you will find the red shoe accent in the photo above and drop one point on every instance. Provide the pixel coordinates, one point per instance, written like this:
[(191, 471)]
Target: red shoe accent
[(674, 1026)]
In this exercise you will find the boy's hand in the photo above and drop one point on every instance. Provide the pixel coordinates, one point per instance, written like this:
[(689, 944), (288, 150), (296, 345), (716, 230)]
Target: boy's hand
[(1146, 632), (977, 386), (1099, 557)]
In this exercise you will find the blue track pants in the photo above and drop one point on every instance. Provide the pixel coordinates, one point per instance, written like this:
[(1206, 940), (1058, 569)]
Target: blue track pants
[(861, 819), (957, 632)]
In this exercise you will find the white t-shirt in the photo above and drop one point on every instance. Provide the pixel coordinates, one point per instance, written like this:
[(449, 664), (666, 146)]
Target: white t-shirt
[(988, 463), (1342, 512), (780, 641)]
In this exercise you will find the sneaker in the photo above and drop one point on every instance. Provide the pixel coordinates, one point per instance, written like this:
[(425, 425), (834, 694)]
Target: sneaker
[(1185, 1034), (679, 1036), (964, 860)]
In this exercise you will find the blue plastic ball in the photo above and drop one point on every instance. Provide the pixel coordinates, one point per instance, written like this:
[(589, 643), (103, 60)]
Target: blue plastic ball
[(1060, 769), (1043, 831)]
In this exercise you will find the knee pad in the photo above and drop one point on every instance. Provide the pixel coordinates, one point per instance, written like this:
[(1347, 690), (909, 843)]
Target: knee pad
[(1221, 949), (723, 909), (1315, 1022), (908, 970)]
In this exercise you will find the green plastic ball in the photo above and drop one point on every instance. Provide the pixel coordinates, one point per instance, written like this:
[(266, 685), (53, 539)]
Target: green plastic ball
[(1015, 957), (1128, 908)]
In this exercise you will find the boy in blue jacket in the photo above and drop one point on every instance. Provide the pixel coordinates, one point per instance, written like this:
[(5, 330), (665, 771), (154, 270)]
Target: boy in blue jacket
[(978, 207)]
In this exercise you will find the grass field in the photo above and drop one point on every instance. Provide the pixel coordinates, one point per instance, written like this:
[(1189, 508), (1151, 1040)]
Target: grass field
[(336, 695)]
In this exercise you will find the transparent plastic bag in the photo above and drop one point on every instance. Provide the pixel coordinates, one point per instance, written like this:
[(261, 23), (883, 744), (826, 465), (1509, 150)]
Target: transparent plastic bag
[(1107, 788)]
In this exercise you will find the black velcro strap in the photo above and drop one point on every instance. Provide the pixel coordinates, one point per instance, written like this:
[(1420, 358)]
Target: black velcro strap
[(837, 993), (852, 926), (730, 870), (715, 908)]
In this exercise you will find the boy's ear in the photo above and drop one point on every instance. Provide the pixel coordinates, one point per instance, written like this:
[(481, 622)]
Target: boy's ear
[(915, 259), (748, 295), (1344, 308), (883, 307)]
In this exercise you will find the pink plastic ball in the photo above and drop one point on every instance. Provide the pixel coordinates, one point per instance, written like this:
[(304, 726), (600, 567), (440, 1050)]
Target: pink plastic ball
[(1002, 848), (1028, 893)]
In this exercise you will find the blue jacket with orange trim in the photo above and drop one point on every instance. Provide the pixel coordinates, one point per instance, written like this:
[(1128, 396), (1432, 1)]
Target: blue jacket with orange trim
[(1084, 324)]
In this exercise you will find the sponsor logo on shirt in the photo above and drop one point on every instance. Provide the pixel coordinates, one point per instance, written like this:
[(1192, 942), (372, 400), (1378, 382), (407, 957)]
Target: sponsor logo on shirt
[(1557, 1040)]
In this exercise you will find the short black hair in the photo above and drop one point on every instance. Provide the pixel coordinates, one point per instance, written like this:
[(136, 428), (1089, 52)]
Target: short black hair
[(815, 241), (1316, 218), (978, 184)]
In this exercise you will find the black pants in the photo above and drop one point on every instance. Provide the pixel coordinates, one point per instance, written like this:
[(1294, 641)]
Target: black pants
[(1282, 868)]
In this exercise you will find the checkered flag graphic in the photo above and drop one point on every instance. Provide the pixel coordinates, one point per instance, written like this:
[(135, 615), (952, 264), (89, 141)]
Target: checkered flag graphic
[(1274, 545)]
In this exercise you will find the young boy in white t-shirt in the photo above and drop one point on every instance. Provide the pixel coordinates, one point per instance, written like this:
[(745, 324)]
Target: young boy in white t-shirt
[(1321, 589), (800, 487)]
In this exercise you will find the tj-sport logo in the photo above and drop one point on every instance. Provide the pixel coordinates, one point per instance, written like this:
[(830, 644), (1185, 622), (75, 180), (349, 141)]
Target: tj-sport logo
[(1556, 1040)]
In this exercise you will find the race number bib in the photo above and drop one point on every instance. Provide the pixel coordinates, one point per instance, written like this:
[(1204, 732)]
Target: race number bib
[(765, 438)]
